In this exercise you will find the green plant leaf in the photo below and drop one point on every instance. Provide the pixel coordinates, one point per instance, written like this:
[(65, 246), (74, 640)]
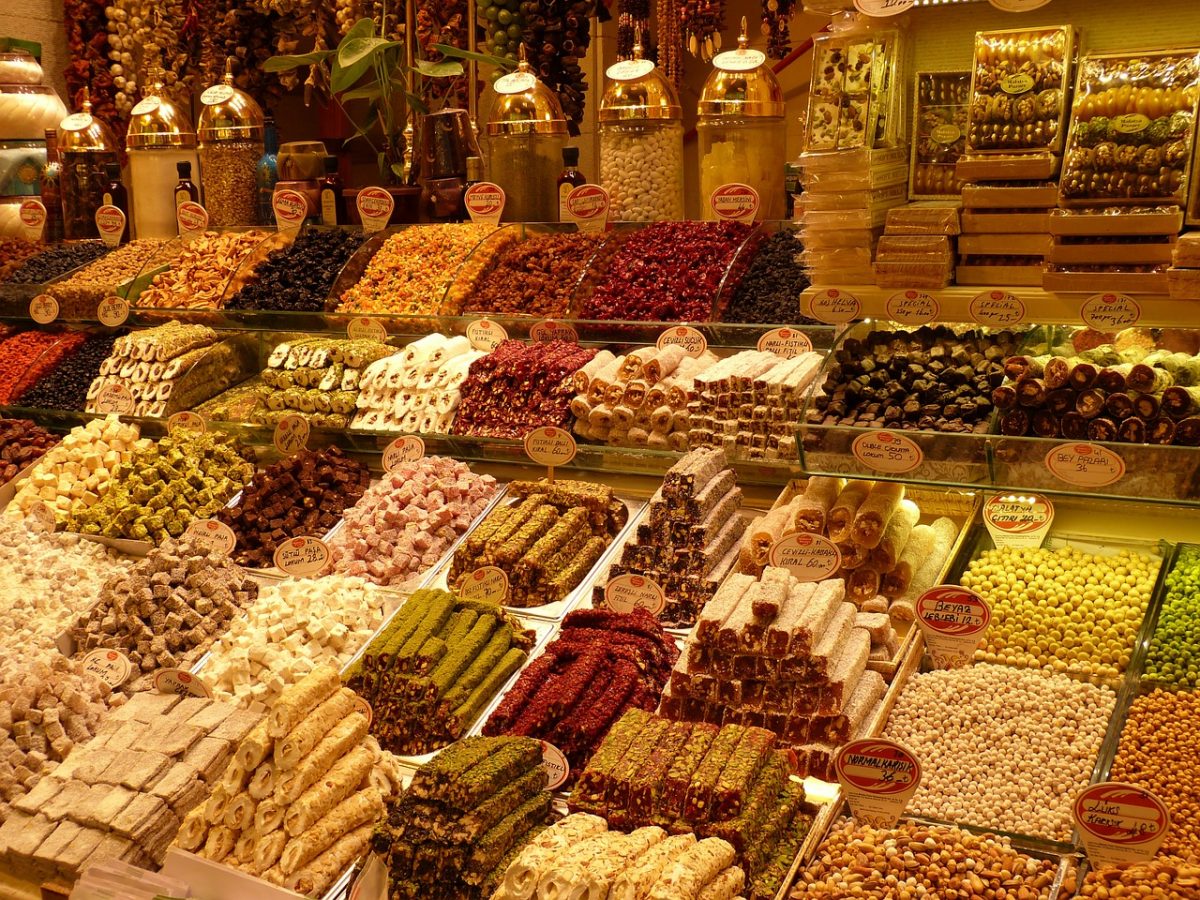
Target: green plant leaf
[(354, 58), (364, 27), (455, 53), (416, 103), (367, 92), (286, 62), (444, 69), (398, 169)]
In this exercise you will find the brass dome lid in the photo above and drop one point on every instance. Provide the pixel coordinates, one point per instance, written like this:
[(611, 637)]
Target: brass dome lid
[(636, 89), (741, 85), (524, 105), (82, 132), (155, 121), (229, 114)]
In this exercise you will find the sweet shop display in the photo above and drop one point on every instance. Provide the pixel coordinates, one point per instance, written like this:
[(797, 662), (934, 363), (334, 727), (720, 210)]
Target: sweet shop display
[(79, 295), (768, 292), (545, 536), (51, 262), (539, 275), (66, 385), (939, 133), (600, 664), (853, 100), (468, 812), (298, 278), (198, 277), (22, 442), (729, 782), (431, 671), (406, 522), (303, 494)]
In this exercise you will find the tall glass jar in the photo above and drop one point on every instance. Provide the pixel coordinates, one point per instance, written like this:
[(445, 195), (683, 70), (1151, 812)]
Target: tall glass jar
[(641, 143), (231, 131), (159, 137), (526, 135), (740, 129), (86, 147)]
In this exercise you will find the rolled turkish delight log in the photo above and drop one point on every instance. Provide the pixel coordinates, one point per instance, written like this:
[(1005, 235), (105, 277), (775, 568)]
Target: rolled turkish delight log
[(895, 536), (582, 379), (872, 517), (1073, 425), (293, 747), (301, 698), (1046, 424), (363, 807), (697, 867), (811, 510), (662, 364), (316, 878), (842, 513), (340, 782), (346, 735), (635, 882)]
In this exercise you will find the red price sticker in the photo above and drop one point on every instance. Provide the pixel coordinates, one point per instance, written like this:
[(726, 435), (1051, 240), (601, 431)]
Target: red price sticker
[(402, 451), (692, 341), (625, 593), (887, 452), (879, 778), (996, 309), (1018, 520), (736, 202), (953, 620), (112, 311), (191, 219), (786, 342), (488, 583), (1085, 465), (110, 222), (809, 557), (291, 208), (375, 208), (1110, 312), (587, 206), (43, 309), (110, 666), (486, 335), (209, 534), (550, 330), (833, 306), (181, 683), (302, 556), (554, 763), (1120, 823), (550, 446), (912, 307), (186, 421), (32, 214), (114, 398), (485, 202), (363, 328), (291, 434)]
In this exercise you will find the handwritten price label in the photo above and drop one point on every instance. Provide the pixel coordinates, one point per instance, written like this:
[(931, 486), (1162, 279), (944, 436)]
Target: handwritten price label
[(833, 306), (1085, 465), (996, 309), (181, 683), (291, 208), (301, 556), (549, 330), (736, 202), (912, 307), (488, 583), (43, 309), (486, 335), (209, 534), (402, 451), (291, 434), (110, 222), (692, 341), (363, 328), (1120, 823), (587, 206), (879, 778), (186, 421), (953, 620), (112, 311), (114, 398), (485, 202), (555, 764), (809, 557), (32, 214), (375, 207), (550, 446), (1110, 312), (625, 593), (191, 219), (1016, 520), (887, 452), (110, 666), (786, 342)]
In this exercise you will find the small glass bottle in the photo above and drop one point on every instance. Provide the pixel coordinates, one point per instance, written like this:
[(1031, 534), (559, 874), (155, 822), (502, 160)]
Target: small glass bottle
[(51, 190), (569, 179), (333, 205), (116, 195), (185, 190), (266, 173), (474, 176)]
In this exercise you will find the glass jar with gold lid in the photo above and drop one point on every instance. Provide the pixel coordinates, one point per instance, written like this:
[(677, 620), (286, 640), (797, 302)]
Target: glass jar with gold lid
[(526, 133), (86, 147), (641, 142), (160, 136), (231, 131), (740, 129)]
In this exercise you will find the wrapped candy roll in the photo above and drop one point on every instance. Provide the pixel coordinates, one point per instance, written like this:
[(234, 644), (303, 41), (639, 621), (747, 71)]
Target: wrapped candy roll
[(726, 886), (324, 870), (872, 517), (840, 521), (340, 782), (364, 807), (263, 781), (699, 865), (219, 844), (635, 882), (521, 877), (581, 381), (896, 535), (301, 698), (194, 830), (662, 364), (346, 735), (293, 747), (812, 508)]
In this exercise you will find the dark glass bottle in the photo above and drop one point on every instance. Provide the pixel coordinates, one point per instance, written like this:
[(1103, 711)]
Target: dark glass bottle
[(569, 179), (116, 195), (185, 190), (333, 204), (266, 173), (51, 190)]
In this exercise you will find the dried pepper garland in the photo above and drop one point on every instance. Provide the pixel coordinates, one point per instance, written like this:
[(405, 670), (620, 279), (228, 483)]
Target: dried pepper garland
[(776, 17), (230, 28), (556, 37), (143, 34), (87, 40), (442, 22), (670, 41)]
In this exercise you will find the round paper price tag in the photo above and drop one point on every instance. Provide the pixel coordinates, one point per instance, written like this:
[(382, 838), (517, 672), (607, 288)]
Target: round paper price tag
[(186, 421), (362, 328), (550, 446), (809, 557), (301, 556), (625, 593), (43, 309), (884, 8), (1110, 312), (291, 434), (32, 214), (1120, 823), (218, 93), (114, 398), (375, 208), (740, 60), (485, 202), (786, 342), (912, 307), (403, 450), (550, 330), (76, 122), (112, 311), (953, 619), (996, 309), (110, 222), (692, 341), (555, 764), (1018, 520), (1085, 465), (515, 83), (737, 202), (181, 683), (879, 778), (110, 666), (887, 452), (488, 583), (833, 306), (291, 208), (191, 219), (362, 707), (209, 534), (486, 335), (145, 105), (587, 206), (945, 134), (630, 69)]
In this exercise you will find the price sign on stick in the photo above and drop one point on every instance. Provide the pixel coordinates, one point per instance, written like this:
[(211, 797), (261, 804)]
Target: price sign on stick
[(291, 434), (302, 556), (487, 583), (1018, 520), (953, 620), (550, 446), (403, 450), (625, 593), (879, 777)]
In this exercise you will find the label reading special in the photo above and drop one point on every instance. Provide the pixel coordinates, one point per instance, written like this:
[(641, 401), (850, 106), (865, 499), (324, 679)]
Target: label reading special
[(996, 309), (912, 307), (1110, 312)]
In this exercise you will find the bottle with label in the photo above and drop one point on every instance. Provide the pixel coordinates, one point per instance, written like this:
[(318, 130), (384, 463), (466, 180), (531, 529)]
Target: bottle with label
[(568, 179), (474, 176), (267, 172), (116, 195), (185, 190), (333, 205), (51, 190)]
